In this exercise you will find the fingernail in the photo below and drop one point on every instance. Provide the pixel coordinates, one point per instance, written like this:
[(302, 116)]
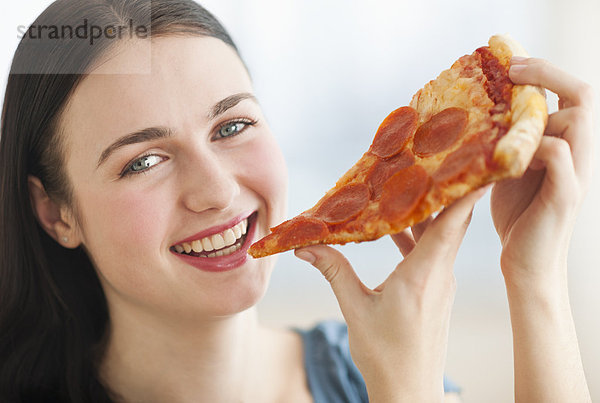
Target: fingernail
[(306, 256), (518, 60), (517, 68)]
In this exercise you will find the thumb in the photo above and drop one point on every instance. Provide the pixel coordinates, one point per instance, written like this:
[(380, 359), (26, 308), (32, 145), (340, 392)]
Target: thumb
[(346, 285)]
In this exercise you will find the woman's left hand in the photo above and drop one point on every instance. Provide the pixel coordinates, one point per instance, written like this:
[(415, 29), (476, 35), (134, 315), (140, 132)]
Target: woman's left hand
[(534, 215)]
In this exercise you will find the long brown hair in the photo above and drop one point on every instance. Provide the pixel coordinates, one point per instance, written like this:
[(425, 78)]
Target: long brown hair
[(53, 312)]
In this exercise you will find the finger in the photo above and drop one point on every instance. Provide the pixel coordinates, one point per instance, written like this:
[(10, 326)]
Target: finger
[(404, 241), (571, 90), (419, 229), (346, 285), (444, 235), (560, 177), (576, 127)]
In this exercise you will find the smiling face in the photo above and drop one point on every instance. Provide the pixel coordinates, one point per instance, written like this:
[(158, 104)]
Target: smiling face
[(208, 161)]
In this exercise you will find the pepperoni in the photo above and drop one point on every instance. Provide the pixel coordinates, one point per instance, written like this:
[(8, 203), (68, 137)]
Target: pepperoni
[(382, 170), (498, 85), (344, 204), (302, 229), (459, 162), (440, 132), (394, 132), (403, 192)]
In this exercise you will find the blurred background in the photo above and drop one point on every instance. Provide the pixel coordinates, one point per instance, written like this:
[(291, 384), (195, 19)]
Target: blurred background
[(327, 73)]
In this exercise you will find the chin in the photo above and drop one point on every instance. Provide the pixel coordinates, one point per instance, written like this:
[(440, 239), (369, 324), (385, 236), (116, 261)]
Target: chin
[(237, 303), (244, 293)]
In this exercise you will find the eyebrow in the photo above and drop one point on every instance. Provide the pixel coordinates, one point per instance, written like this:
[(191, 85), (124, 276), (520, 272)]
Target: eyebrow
[(159, 132), (228, 103)]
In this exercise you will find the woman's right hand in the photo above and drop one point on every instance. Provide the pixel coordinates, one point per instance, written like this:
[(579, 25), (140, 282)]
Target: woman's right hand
[(398, 332)]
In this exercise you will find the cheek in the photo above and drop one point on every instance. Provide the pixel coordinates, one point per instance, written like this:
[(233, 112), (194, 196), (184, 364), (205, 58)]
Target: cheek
[(137, 216), (126, 228)]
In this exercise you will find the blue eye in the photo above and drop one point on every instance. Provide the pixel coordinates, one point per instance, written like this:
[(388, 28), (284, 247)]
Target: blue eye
[(142, 164), (231, 129)]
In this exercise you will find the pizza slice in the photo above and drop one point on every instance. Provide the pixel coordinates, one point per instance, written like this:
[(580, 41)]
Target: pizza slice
[(469, 127)]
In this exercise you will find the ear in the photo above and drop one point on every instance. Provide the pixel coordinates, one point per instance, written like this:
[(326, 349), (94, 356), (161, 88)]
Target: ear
[(56, 220)]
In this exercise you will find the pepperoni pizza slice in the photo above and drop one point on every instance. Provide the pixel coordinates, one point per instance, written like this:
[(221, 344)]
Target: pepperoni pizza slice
[(469, 127)]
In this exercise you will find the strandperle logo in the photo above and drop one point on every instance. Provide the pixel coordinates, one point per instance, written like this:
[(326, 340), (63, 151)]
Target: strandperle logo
[(90, 32)]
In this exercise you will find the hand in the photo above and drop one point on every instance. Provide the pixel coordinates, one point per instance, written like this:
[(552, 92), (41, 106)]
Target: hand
[(534, 215), (398, 331)]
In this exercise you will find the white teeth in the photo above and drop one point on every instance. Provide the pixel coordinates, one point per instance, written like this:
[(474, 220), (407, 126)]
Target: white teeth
[(237, 231), (197, 246), (222, 252), (207, 244), (217, 242), (229, 237)]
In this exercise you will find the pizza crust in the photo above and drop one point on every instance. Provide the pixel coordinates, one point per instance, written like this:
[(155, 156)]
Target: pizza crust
[(529, 115)]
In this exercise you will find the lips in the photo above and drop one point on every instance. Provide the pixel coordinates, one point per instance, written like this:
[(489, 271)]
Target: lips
[(235, 257)]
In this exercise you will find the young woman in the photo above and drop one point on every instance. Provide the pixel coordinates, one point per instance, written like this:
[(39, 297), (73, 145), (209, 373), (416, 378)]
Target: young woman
[(104, 176)]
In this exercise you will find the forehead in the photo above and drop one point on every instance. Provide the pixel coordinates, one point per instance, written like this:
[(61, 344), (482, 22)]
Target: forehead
[(188, 75)]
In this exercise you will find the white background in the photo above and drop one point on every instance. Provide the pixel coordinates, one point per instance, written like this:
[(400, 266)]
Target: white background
[(327, 73)]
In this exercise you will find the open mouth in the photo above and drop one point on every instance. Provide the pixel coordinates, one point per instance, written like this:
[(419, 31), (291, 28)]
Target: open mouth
[(224, 243)]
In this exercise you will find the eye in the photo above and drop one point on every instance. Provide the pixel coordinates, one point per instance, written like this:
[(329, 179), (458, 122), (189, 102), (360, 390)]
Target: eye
[(233, 128), (142, 164)]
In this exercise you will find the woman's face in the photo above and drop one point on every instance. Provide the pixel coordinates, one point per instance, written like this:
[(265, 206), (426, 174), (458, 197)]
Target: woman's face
[(219, 166)]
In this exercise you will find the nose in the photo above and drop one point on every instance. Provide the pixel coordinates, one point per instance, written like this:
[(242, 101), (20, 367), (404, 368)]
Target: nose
[(209, 182)]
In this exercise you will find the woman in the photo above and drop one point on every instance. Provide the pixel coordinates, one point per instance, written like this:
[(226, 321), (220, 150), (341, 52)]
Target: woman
[(99, 303)]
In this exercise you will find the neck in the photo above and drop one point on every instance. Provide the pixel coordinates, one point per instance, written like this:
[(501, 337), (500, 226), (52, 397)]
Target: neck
[(151, 359)]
